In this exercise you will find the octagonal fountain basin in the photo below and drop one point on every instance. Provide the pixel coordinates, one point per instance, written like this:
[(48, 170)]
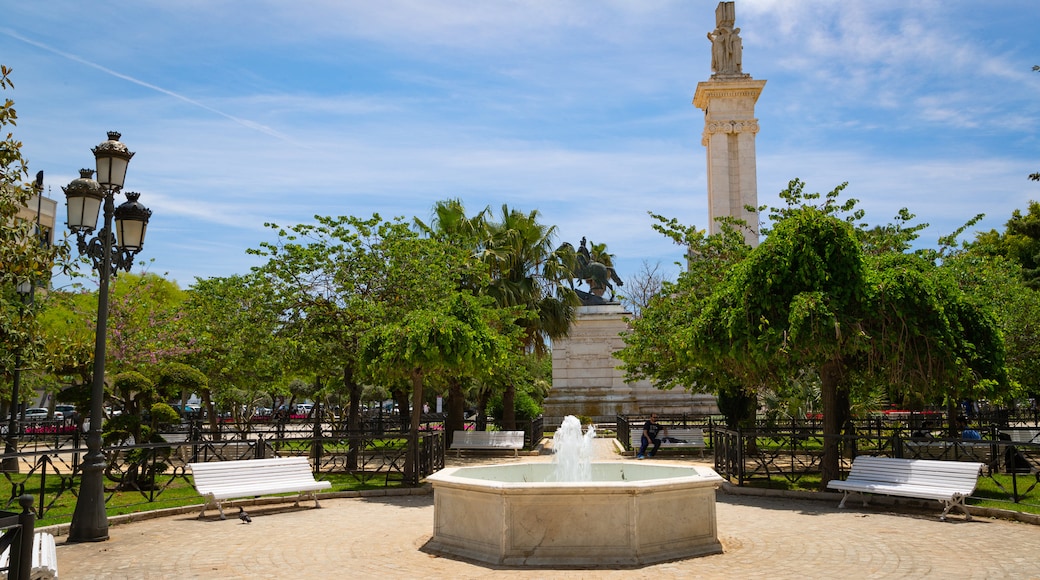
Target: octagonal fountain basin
[(628, 514)]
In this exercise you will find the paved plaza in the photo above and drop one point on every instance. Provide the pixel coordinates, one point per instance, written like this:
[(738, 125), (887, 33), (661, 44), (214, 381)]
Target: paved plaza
[(384, 537)]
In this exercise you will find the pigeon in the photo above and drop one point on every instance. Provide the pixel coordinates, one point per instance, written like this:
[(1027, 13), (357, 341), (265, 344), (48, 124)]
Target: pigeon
[(244, 516)]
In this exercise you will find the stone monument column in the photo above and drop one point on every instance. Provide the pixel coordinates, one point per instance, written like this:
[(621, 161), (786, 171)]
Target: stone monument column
[(728, 101)]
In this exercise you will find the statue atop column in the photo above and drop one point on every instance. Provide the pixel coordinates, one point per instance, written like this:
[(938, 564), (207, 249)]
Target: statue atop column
[(726, 45)]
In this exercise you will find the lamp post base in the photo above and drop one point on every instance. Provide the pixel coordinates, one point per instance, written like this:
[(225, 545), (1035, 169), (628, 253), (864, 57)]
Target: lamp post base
[(90, 521)]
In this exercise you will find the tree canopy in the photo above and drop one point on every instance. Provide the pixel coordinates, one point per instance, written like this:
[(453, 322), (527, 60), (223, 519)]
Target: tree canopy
[(811, 297), (24, 260)]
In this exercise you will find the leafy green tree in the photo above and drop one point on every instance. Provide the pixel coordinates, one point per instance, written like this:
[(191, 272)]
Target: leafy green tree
[(830, 296), (233, 323), (809, 297), (67, 328), (650, 347), (133, 392), (1003, 268), (450, 225), (336, 280), (179, 379), (23, 259), (997, 281), (521, 270), (455, 334), (1020, 242)]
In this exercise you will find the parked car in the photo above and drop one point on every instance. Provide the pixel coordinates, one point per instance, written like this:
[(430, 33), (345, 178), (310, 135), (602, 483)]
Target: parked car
[(42, 414)]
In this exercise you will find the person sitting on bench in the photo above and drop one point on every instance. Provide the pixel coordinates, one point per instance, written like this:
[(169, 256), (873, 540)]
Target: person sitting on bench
[(650, 430)]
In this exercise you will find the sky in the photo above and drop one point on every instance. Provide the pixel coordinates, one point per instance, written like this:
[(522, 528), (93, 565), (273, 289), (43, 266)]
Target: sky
[(243, 113)]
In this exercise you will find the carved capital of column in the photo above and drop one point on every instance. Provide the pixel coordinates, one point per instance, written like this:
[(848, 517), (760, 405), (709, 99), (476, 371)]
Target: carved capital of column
[(712, 127)]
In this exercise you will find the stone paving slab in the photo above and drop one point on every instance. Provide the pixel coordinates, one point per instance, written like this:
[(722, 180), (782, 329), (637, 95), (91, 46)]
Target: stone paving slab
[(383, 537)]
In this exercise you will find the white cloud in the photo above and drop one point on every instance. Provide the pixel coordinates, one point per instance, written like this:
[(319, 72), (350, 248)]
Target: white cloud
[(579, 109)]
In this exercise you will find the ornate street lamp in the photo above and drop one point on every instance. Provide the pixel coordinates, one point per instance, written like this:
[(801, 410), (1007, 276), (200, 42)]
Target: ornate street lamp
[(109, 254)]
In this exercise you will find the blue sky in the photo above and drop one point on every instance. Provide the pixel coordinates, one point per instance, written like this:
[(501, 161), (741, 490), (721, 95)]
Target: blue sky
[(242, 113)]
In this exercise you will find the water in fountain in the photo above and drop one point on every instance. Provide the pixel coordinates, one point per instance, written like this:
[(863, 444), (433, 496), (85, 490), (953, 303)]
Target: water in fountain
[(572, 451)]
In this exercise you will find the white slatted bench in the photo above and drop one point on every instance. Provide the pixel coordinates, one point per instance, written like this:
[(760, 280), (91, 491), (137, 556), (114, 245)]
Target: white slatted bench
[(44, 558), (676, 437), (1025, 435), (949, 482), (487, 440), (221, 480)]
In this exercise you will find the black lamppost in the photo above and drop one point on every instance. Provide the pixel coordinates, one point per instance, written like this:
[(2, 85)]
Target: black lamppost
[(110, 252)]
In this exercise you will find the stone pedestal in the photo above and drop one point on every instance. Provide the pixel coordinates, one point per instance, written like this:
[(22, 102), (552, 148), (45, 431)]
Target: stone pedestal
[(586, 380), (729, 135)]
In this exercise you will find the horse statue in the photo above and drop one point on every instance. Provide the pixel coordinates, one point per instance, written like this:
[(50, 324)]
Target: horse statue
[(595, 269)]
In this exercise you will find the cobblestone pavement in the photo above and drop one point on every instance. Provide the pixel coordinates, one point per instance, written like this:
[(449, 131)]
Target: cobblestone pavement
[(383, 537)]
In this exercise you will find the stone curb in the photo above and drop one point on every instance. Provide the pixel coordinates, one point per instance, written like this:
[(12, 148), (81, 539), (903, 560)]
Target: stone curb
[(63, 529)]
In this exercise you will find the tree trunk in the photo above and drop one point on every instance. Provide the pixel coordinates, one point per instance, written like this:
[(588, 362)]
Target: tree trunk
[(211, 414), (509, 408), (354, 435), (482, 403), (830, 379), (951, 418), (412, 463), (403, 409), (455, 421)]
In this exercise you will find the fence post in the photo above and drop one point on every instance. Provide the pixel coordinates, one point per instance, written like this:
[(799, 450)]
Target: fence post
[(316, 443), (740, 455), (20, 565)]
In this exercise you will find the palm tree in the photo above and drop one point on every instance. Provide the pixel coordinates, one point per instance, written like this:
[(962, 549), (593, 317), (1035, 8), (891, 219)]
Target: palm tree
[(526, 272), (523, 271)]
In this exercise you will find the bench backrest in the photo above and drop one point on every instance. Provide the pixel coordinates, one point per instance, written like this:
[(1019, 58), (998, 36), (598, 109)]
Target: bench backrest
[(1025, 435), (488, 438), (220, 473), (958, 475), (694, 435)]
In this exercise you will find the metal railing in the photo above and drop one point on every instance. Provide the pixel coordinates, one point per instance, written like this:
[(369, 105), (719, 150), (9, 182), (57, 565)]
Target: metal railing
[(626, 425), (18, 538), (770, 456), (151, 470)]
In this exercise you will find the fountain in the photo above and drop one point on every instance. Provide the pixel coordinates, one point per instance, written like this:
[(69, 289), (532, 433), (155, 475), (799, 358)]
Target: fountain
[(572, 451), (575, 512)]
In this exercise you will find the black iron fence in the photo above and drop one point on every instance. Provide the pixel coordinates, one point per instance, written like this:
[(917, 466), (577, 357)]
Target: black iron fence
[(50, 455), (627, 425), (17, 540), (280, 428), (150, 471), (781, 456)]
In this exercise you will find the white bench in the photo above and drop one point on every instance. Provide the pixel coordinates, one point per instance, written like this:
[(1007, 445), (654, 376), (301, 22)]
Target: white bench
[(673, 437), (1025, 435), (221, 480), (44, 558), (949, 482), (487, 440)]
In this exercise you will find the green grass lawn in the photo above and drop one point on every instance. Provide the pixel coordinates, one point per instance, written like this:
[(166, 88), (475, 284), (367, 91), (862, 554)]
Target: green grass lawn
[(177, 493)]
